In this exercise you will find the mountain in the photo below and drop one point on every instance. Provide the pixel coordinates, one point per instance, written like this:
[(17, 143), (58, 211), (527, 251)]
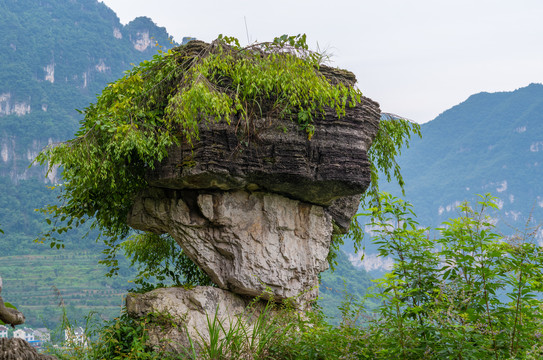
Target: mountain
[(490, 143), (56, 55)]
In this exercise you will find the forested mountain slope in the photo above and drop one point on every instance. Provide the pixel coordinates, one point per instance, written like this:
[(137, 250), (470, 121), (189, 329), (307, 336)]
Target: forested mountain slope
[(56, 55), (490, 143)]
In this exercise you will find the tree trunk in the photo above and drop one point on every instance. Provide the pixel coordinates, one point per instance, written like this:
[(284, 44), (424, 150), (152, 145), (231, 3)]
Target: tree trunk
[(8, 315)]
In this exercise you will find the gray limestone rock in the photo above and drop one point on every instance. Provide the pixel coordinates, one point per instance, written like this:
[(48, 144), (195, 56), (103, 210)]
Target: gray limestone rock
[(249, 243), (178, 312), (279, 158)]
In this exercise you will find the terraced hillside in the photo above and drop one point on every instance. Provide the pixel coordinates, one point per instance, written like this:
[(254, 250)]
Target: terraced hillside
[(37, 284)]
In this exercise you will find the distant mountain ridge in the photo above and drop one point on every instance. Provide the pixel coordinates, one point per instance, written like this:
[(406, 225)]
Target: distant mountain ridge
[(490, 143)]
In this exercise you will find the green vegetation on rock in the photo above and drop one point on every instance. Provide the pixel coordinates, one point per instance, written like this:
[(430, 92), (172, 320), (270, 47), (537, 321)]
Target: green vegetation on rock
[(162, 102)]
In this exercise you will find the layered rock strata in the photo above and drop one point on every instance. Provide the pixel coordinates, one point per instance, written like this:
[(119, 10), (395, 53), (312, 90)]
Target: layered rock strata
[(278, 158)]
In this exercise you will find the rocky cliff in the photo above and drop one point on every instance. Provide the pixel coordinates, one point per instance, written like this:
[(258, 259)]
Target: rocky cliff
[(56, 56)]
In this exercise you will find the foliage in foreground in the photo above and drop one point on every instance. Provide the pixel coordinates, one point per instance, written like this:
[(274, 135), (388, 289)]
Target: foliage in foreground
[(468, 294)]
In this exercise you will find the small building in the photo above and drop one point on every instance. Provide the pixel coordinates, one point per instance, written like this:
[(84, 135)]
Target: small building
[(24, 333), (19, 334), (76, 336), (3, 331), (42, 334)]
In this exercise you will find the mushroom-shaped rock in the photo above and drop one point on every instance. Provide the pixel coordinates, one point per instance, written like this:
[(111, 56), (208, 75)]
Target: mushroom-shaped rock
[(258, 216), (255, 201)]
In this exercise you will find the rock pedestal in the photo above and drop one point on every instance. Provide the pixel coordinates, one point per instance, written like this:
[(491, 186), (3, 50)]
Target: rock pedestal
[(181, 313), (249, 243)]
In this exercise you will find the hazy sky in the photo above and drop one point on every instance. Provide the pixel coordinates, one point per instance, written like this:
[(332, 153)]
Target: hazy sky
[(416, 58)]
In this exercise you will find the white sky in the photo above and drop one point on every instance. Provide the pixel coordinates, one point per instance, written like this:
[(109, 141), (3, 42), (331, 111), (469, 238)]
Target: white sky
[(416, 58)]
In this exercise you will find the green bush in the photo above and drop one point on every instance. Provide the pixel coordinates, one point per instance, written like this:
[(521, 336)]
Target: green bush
[(468, 294)]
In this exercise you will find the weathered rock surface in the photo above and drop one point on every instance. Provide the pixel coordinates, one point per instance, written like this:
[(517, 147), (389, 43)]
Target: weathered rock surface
[(279, 158), (255, 204), (19, 349), (248, 243), (186, 311)]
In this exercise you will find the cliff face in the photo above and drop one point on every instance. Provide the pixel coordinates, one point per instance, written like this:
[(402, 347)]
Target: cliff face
[(15, 160), (56, 56)]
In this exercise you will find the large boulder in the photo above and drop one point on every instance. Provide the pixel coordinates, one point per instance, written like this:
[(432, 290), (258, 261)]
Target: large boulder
[(178, 313), (251, 243), (279, 158)]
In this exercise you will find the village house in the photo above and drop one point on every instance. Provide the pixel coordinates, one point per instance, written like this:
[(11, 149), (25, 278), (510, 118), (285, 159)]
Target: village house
[(24, 333), (3, 331)]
